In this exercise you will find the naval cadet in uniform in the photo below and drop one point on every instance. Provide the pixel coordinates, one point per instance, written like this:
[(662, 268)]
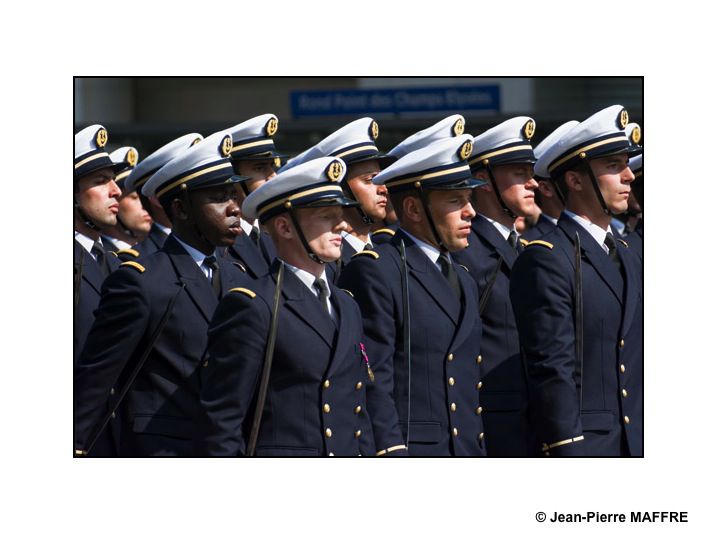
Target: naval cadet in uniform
[(95, 198), (450, 126), (255, 158), (547, 195), (313, 402), (133, 221), (502, 159), (355, 144), (634, 230), (95, 206), (635, 237), (140, 174), (150, 333), (419, 308), (577, 299)]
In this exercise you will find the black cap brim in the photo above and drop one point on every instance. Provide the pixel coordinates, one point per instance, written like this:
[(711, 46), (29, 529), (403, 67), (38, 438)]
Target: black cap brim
[(468, 183), (334, 200), (384, 160)]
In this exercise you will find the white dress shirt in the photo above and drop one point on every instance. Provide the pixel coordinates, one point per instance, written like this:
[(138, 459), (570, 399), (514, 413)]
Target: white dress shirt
[(86, 242), (596, 232), (502, 229)]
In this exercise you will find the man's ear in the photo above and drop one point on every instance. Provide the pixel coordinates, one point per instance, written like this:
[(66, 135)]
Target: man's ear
[(573, 180), (155, 202), (412, 209), (482, 174), (179, 210), (283, 226), (545, 189)]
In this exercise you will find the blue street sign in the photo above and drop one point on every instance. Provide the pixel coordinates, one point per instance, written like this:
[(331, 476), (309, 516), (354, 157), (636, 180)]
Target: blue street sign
[(395, 101)]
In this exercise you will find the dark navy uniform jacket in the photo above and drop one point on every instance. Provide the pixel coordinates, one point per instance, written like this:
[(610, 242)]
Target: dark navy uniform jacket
[(88, 279), (123, 254), (609, 420), (247, 256), (160, 413), (335, 268), (267, 248), (635, 241), (384, 235), (108, 244), (316, 397), (152, 243), (87, 287), (541, 228), (445, 376), (504, 392)]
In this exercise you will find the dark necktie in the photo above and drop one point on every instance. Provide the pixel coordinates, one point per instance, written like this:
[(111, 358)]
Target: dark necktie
[(513, 239), (212, 264), (368, 247), (323, 293), (448, 271), (612, 250), (255, 235), (99, 253)]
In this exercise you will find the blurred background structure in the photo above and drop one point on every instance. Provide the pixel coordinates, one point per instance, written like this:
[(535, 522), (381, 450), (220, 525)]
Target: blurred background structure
[(147, 112)]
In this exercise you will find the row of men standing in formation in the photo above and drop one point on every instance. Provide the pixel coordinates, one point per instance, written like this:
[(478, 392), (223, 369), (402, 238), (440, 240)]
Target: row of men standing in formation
[(352, 302)]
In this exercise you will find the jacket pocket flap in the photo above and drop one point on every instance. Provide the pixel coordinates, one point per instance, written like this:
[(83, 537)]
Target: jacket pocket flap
[(423, 432), (598, 421)]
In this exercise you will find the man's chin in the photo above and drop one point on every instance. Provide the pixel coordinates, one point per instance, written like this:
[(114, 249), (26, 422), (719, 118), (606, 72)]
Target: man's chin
[(106, 221), (619, 208), (457, 244), (227, 240), (330, 255)]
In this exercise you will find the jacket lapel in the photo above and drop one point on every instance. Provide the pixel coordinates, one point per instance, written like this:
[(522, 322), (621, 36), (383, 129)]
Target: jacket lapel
[(545, 224), (245, 250), (595, 255), (197, 285), (467, 319), (429, 277), (486, 230), (342, 307), (108, 245), (347, 252), (157, 236), (631, 288), (90, 269)]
